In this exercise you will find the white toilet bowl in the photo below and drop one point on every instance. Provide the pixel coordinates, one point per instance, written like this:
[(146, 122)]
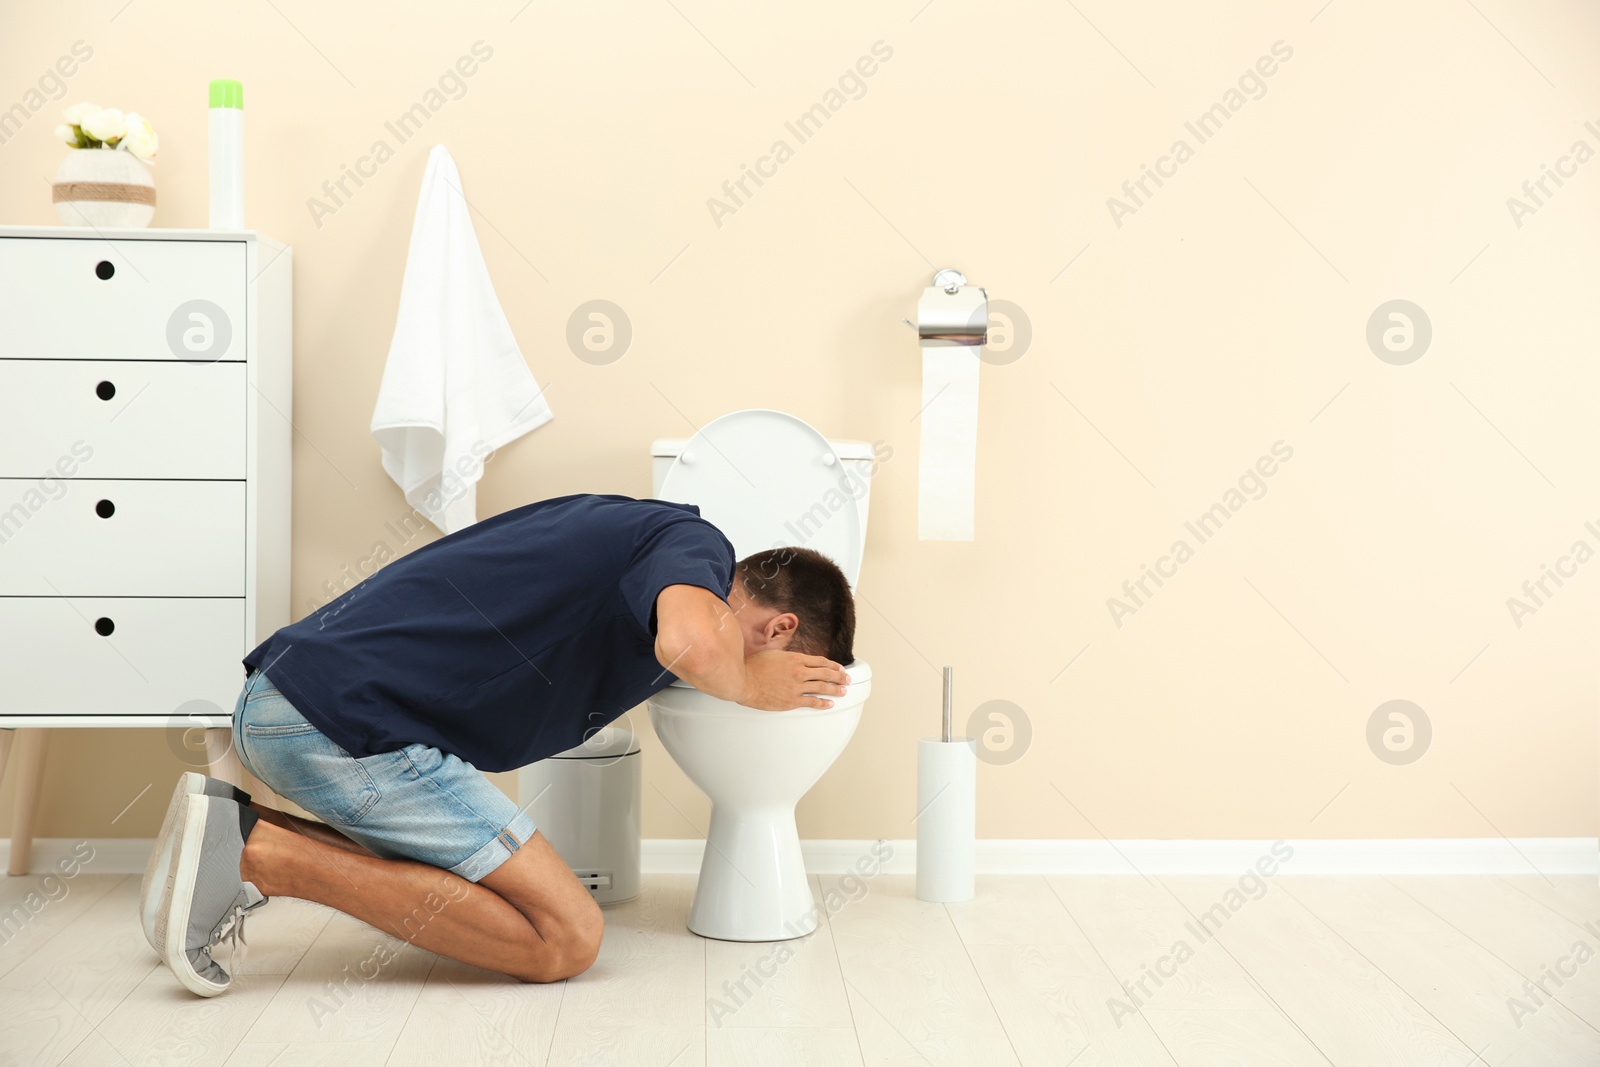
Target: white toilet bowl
[(765, 479), (755, 766)]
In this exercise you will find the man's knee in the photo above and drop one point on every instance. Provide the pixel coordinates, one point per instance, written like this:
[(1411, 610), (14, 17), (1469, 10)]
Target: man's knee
[(584, 942), (566, 922), (568, 944)]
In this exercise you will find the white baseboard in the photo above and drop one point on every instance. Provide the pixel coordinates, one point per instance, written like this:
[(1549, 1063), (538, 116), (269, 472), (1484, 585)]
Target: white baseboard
[(111, 855), (1440, 855), (1481, 855)]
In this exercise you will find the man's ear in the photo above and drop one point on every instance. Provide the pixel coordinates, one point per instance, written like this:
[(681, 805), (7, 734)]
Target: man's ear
[(781, 628)]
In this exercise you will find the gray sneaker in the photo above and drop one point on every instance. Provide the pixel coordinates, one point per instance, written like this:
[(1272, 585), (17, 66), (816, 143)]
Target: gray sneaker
[(189, 784), (203, 899)]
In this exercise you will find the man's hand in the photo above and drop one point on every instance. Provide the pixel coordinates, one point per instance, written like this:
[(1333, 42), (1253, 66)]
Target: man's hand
[(698, 639), (778, 681)]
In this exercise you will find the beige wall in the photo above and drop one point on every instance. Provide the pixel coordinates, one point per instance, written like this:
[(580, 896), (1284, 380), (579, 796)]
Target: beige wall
[(1225, 314)]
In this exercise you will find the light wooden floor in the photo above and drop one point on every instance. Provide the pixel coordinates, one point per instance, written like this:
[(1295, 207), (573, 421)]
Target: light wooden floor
[(1398, 971)]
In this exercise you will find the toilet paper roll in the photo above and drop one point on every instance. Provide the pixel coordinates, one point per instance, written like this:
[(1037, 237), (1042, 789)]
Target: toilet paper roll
[(947, 808), (949, 450)]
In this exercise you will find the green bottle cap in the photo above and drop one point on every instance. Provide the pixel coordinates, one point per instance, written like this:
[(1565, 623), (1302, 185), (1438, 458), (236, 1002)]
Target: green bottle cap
[(225, 92)]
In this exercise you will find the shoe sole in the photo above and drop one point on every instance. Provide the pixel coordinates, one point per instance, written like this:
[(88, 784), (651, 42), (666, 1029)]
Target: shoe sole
[(190, 783), (182, 872)]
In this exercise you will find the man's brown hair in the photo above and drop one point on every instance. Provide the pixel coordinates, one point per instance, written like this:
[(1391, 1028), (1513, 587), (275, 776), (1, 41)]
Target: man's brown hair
[(809, 584)]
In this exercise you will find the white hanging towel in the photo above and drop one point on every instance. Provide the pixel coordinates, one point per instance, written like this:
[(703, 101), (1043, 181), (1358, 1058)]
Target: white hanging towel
[(455, 386)]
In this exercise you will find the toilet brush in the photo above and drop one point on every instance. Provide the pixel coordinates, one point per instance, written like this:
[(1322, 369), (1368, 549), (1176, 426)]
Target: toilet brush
[(947, 802)]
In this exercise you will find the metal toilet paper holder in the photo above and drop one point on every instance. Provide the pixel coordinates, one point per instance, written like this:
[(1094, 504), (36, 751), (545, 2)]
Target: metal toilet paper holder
[(951, 312)]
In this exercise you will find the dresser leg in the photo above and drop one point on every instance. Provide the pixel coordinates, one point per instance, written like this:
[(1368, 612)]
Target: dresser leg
[(5, 752), (30, 781), (5, 756)]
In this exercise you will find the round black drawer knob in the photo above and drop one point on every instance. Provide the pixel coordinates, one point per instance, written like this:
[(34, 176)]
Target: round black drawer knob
[(105, 390), (104, 270), (103, 626), (105, 509)]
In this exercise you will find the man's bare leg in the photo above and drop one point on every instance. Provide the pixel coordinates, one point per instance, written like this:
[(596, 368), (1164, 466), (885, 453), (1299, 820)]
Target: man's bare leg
[(317, 831), (530, 918)]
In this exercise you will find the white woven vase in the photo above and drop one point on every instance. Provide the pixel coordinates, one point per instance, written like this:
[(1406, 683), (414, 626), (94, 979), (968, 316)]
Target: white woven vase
[(104, 188)]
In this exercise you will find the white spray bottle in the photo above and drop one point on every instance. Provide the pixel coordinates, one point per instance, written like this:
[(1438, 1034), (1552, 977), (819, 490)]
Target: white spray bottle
[(227, 155)]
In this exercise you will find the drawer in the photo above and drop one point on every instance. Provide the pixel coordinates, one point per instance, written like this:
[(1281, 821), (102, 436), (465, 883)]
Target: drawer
[(89, 298), (159, 656), (88, 537), (135, 420)]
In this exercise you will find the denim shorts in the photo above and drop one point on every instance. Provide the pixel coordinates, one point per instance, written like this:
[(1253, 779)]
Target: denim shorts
[(413, 803)]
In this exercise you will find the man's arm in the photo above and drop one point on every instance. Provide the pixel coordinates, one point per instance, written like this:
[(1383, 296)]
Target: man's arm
[(698, 639)]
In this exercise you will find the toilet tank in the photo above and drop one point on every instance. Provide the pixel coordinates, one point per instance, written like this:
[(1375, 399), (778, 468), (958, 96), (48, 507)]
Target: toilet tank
[(855, 456)]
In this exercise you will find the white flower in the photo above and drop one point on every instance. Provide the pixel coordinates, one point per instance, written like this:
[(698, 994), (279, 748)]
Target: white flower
[(107, 124), (77, 112), (140, 138), (67, 134)]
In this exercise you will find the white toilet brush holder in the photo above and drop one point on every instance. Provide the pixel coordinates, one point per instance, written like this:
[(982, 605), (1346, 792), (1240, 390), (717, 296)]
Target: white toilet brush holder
[(947, 810)]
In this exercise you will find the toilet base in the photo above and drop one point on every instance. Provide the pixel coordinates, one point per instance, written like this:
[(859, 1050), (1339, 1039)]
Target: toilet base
[(753, 884)]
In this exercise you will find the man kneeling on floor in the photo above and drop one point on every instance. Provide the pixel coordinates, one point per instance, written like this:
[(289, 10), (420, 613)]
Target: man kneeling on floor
[(486, 650)]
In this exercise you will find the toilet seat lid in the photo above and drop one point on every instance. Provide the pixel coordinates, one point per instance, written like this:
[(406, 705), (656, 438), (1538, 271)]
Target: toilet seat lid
[(769, 480)]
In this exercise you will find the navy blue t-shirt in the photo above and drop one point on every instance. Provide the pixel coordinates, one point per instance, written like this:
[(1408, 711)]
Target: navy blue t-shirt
[(505, 642)]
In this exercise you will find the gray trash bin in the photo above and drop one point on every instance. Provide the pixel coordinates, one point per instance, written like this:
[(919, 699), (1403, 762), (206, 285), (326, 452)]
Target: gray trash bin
[(586, 803)]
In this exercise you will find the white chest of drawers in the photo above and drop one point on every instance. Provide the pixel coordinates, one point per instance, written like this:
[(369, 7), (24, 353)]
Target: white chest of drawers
[(145, 382)]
